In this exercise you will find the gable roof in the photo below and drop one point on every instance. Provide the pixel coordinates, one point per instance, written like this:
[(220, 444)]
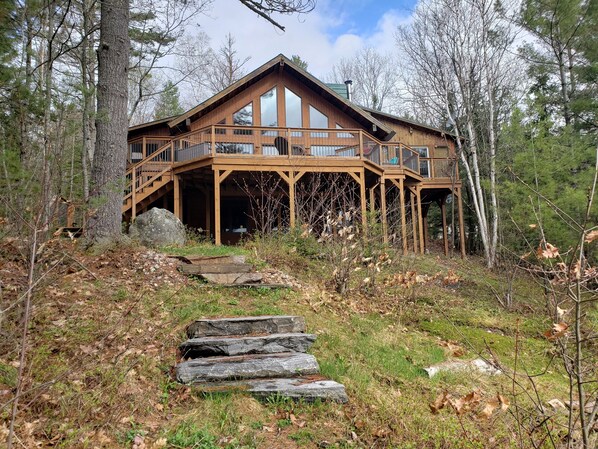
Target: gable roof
[(281, 62)]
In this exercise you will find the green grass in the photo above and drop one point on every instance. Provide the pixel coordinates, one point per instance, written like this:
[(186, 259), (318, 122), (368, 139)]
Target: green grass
[(205, 249), (377, 344)]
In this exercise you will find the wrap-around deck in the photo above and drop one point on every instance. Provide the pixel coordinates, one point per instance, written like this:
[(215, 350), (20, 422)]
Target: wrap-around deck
[(157, 165)]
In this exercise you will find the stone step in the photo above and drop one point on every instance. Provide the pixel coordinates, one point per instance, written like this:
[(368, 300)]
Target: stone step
[(309, 388), (213, 260), (214, 369), (267, 344), (232, 279), (248, 325), (218, 268)]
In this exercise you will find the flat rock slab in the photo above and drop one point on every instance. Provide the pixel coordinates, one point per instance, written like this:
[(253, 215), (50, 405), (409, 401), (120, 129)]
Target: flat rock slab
[(214, 369), (231, 278), (218, 268), (267, 344), (269, 324), (296, 388), (478, 365)]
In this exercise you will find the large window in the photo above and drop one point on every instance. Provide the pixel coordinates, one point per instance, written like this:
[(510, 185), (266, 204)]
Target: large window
[(268, 108), (317, 120), (244, 116), (424, 164), (292, 108)]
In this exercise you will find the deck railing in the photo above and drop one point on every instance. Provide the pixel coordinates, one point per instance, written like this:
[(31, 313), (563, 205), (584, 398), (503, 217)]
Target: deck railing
[(152, 154)]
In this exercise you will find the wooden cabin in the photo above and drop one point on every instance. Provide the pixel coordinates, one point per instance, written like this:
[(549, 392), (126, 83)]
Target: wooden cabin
[(281, 121)]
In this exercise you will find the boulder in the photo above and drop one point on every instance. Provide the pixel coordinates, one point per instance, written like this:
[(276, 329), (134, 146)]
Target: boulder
[(158, 227)]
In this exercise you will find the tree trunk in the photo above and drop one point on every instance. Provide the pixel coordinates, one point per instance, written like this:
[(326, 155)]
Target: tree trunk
[(111, 123)]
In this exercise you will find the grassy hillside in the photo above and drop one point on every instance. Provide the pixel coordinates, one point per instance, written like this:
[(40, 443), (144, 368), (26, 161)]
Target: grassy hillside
[(106, 327)]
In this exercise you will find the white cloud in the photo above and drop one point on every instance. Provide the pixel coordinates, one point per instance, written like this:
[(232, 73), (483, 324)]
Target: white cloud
[(314, 36)]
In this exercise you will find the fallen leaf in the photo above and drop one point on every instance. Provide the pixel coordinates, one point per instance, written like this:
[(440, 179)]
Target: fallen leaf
[(488, 409), (558, 330), (591, 236), (439, 403), (548, 251)]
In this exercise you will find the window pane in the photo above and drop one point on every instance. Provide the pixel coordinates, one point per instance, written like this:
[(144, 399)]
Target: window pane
[(317, 119), (293, 109), (268, 107), (244, 116), (423, 151)]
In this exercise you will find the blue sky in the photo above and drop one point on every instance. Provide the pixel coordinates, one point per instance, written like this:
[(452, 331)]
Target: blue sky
[(336, 29)]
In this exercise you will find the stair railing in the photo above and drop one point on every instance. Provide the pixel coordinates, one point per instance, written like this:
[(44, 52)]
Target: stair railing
[(146, 171)]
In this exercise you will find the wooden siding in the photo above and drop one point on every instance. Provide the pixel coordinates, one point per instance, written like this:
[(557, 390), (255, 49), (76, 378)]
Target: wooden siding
[(417, 137), (278, 80)]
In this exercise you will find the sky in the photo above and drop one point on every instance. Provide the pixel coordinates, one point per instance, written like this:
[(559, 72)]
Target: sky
[(335, 29)]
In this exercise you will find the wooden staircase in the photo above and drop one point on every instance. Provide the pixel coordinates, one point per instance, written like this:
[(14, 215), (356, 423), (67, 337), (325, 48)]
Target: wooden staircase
[(148, 180)]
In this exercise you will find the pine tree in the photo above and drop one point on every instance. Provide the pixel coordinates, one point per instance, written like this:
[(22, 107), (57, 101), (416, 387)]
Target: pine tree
[(168, 104)]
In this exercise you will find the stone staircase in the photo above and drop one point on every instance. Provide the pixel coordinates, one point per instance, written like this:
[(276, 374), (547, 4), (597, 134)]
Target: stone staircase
[(223, 270), (265, 356)]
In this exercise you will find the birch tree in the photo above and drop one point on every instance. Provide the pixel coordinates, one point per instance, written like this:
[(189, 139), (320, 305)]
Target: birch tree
[(459, 51)]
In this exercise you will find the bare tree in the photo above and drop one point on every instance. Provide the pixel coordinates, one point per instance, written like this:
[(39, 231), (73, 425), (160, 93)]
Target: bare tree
[(460, 51), (225, 67), (375, 79), (156, 27)]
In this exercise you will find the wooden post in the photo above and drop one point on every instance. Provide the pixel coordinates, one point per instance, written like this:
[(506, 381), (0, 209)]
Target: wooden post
[(134, 192), (426, 233), (413, 220), (361, 144), (208, 211), (444, 229), (383, 210), (461, 224), (418, 194), (70, 215), (143, 150), (403, 217), (178, 200), (217, 230), (292, 199), (364, 210), (372, 200), (213, 130)]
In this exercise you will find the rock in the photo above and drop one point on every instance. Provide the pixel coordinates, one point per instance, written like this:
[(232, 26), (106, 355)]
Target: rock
[(249, 278), (246, 325), (218, 268), (158, 227), (254, 366), (556, 404), (463, 365), (231, 278), (268, 344), (296, 388)]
